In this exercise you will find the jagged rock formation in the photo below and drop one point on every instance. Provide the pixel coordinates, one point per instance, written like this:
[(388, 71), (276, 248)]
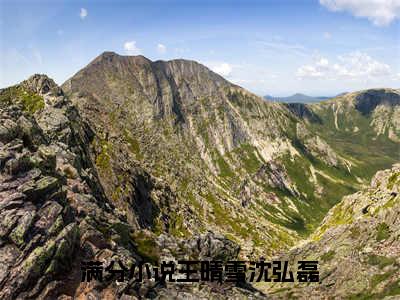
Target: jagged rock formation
[(54, 212), (357, 246)]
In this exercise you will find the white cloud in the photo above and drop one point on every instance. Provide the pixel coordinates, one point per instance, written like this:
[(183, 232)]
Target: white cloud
[(309, 71), (322, 62), (283, 47), (131, 48), (317, 70), (249, 81), (223, 69), (161, 48), (83, 13), (352, 65), (379, 12), (254, 77), (327, 35), (358, 64)]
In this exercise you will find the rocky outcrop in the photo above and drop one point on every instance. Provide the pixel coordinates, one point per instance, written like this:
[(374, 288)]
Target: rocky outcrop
[(277, 177), (357, 246), (317, 146), (302, 111), (366, 102), (39, 233)]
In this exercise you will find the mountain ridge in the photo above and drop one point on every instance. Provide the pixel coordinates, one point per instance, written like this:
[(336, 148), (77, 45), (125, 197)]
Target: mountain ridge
[(207, 121), (297, 97), (143, 160), (55, 214)]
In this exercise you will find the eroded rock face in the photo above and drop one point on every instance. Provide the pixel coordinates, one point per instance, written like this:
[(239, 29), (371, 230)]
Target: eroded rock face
[(371, 114), (40, 227), (368, 101), (304, 112), (317, 147), (54, 212)]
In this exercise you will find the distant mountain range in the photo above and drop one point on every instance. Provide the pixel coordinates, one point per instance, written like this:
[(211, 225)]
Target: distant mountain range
[(301, 98)]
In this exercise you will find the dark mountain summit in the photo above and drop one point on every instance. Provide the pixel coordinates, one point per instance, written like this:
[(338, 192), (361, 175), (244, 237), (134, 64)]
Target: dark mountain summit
[(368, 101)]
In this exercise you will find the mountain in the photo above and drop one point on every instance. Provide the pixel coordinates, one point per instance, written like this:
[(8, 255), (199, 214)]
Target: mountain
[(357, 245), (359, 124), (149, 161), (298, 98), (222, 151), (55, 214)]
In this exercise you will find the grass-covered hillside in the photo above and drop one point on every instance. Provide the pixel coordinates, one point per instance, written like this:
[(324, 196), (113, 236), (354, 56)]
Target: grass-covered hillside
[(262, 173)]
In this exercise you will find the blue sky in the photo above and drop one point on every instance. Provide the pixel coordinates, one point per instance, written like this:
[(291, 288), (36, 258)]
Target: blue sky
[(317, 47)]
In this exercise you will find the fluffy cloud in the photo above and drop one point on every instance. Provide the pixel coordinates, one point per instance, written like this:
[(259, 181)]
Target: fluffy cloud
[(322, 63), (352, 65), (327, 35), (131, 48), (308, 71), (319, 69), (223, 69), (361, 64), (380, 12), (161, 48), (83, 13)]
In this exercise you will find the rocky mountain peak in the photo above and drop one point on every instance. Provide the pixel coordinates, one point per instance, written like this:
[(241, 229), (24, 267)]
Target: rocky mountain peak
[(183, 67), (42, 85), (112, 57), (163, 88), (368, 100), (175, 73)]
